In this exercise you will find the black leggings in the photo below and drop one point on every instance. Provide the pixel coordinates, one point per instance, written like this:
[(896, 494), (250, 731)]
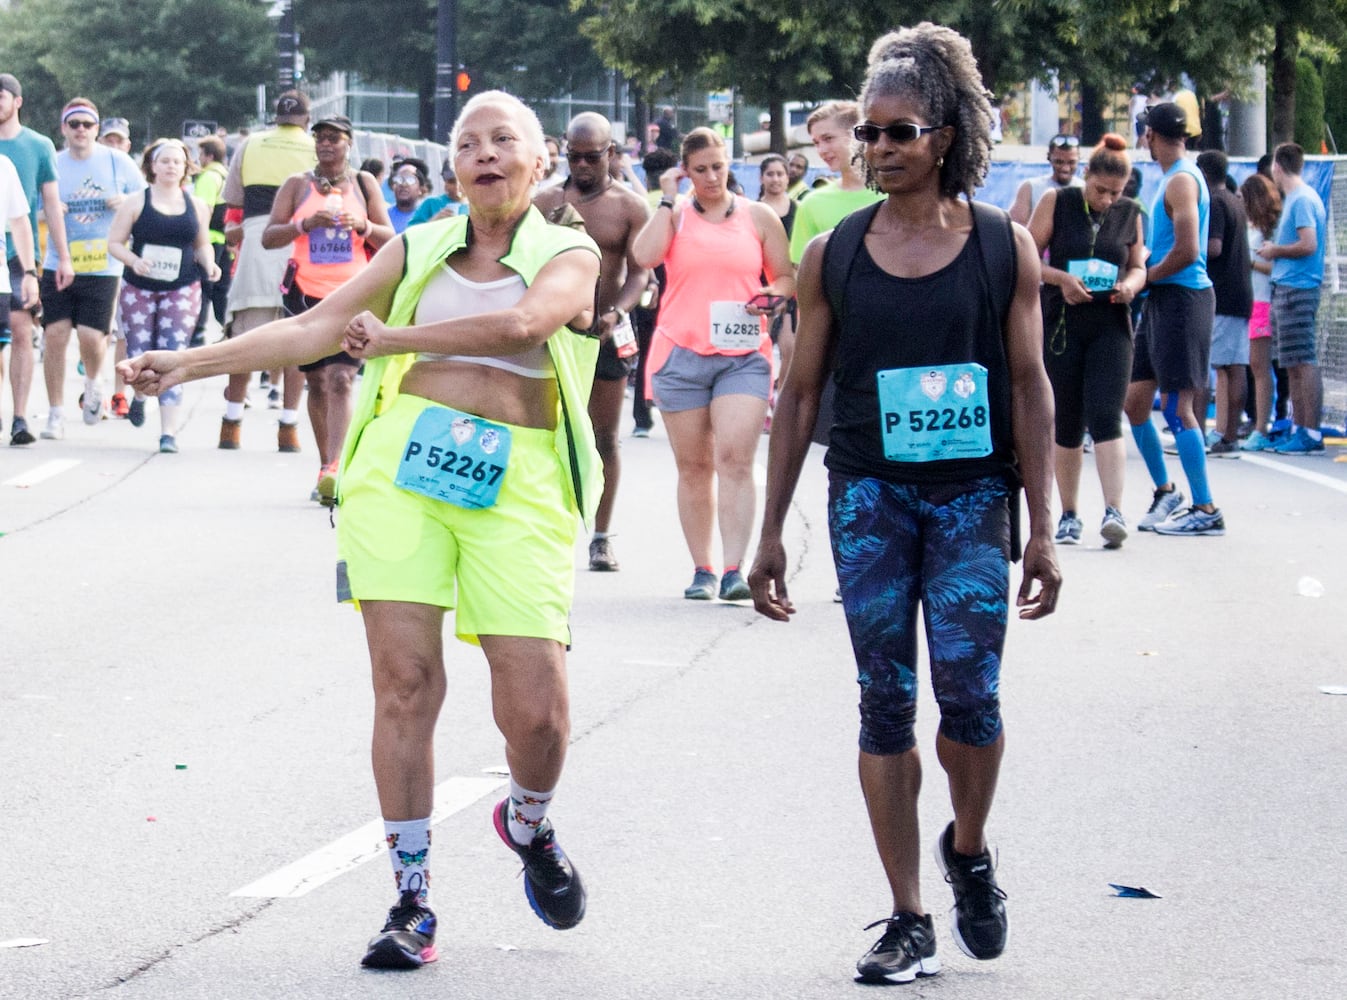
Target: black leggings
[(1089, 381)]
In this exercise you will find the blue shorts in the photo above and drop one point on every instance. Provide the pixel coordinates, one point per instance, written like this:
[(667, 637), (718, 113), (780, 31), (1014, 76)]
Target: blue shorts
[(946, 547)]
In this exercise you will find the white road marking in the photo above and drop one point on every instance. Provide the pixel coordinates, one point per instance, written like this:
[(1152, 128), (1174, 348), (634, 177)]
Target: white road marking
[(359, 846), (41, 472), (1317, 478)]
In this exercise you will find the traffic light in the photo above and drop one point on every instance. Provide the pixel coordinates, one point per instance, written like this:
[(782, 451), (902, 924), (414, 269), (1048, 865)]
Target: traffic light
[(462, 81)]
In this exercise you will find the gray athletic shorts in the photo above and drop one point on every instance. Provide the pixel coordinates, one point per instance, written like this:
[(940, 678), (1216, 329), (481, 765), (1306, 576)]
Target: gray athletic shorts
[(689, 381), (1295, 313), (1229, 341)]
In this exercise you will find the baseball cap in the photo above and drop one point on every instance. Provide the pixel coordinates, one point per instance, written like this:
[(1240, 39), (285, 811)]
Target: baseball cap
[(9, 82), (292, 104), (339, 122), (1168, 120), (116, 126)]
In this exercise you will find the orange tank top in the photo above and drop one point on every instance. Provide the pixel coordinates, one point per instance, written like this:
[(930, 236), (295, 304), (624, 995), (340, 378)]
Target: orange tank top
[(327, 257), (713, 269)]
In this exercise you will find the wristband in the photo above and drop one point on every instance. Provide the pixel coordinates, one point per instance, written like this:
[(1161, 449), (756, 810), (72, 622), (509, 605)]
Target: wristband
[(665, 203), (31, 272)]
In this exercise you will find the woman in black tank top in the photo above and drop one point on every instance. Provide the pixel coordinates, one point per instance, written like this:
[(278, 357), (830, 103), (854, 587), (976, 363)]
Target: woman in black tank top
[(1096, 266), (933, 341)]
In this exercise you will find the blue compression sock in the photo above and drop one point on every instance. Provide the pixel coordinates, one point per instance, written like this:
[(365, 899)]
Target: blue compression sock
[(1193, 455), (1148, 443)]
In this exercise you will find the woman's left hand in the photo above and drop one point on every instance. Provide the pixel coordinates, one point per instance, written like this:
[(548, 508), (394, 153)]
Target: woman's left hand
[(1122, 295), (213, 272), (366, 337)]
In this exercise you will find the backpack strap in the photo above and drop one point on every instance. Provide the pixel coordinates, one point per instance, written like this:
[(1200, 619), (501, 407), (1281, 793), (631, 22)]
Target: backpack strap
[(996, 245), (839, 255)]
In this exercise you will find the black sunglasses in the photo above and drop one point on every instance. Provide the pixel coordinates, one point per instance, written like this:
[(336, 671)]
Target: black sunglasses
[(591, 157), (897, 131), (1064, 142), (82, 123)]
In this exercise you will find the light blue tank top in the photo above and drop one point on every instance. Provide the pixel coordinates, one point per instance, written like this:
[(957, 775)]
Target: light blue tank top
[(1162, 229)]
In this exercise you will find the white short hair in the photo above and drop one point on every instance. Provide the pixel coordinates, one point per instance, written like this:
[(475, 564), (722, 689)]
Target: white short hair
[(533, 128)]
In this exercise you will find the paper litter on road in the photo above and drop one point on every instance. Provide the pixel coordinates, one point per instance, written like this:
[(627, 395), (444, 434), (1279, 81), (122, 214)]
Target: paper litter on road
[(1308, 586), (23, 942), (1333, 688)]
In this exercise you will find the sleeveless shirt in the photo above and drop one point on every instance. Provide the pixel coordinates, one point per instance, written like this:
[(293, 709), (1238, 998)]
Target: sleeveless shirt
[(941, 318)]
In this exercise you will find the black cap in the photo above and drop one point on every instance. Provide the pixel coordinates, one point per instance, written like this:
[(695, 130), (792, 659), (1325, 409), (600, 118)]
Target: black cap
[(292, 104), (1168, 120), (8, 81), (339, 122)]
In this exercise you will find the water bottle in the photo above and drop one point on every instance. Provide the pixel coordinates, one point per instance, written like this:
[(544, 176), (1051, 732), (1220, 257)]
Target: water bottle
[(333, 205)]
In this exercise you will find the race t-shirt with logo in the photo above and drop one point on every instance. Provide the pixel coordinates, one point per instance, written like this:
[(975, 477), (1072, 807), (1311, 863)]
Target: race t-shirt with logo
[(86, 185)]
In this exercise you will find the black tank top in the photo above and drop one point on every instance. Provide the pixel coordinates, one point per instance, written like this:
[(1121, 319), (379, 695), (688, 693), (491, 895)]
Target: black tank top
[(942, 318), (1074, 238), (164, 234)]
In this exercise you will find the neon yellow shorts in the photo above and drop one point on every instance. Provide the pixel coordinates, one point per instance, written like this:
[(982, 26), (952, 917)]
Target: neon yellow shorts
[(508, 569)]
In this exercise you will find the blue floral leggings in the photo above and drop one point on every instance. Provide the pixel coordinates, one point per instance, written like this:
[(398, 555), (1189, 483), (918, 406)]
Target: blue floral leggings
[(948, 547)]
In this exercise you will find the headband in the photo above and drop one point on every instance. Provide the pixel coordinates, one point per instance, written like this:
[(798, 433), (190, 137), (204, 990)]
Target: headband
[(166, 144), (79, 109)]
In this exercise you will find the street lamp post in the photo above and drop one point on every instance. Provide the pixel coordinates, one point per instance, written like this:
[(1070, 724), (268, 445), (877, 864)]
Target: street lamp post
[(446, 69)]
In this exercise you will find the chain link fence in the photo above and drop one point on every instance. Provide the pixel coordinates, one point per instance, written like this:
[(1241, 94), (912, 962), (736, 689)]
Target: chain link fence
[(1333, 305)]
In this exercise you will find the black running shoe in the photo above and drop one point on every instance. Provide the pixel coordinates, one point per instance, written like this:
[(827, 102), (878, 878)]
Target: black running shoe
[(905, 951), (408, 938), (979, 924), (551, 883)]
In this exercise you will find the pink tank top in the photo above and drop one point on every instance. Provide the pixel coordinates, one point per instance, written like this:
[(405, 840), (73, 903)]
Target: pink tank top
[(327, 257), (712, 268)]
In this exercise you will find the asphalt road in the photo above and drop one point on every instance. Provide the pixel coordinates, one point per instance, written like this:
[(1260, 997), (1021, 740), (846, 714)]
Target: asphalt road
[(184, 715)]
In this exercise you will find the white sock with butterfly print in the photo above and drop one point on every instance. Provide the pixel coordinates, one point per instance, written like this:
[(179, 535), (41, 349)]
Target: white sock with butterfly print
[(526, 812), (409, 850)]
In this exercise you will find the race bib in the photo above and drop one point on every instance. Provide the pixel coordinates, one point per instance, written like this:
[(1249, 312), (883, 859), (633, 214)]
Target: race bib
[(733, 329), (165, 262), (455, 457), (624, 338), (330, 246), (89, 256), (1097, 275), (930, 414)]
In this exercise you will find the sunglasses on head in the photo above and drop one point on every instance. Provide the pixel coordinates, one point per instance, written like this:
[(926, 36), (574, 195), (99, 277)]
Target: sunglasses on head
[(81, 123), (897, 131), (1064, 142), (593, 156)]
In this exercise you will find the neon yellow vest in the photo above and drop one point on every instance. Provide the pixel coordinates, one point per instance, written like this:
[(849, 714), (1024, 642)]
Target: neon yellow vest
[(534, 244)]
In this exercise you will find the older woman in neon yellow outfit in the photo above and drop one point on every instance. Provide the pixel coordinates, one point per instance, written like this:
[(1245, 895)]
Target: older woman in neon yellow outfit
[(469, 457)]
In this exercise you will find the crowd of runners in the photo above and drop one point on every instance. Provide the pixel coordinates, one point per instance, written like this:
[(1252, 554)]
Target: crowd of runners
[(466, 357)]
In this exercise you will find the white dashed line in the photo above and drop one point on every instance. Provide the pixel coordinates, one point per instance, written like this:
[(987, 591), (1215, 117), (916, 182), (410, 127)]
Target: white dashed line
[(359, 846), (1318, 478), (41, 472)]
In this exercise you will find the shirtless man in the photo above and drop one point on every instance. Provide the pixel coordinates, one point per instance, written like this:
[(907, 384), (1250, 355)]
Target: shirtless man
[(612, 217)]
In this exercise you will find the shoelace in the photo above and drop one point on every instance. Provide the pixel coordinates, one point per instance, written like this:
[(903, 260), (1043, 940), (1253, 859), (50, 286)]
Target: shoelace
[(545, 861), (898, 931), (978, 888), (406, 916)]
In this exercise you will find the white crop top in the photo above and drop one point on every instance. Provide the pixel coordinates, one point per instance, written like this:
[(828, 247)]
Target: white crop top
[(449, 295)]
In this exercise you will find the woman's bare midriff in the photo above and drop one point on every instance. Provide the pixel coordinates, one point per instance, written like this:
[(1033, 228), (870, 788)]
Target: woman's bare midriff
[(492, 393)]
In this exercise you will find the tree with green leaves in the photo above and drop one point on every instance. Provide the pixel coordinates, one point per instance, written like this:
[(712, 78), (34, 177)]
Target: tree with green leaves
[(156, 63), (534, 50)]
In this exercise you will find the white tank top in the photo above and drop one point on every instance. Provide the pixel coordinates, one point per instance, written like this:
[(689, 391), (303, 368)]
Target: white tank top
[(449, 295)]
